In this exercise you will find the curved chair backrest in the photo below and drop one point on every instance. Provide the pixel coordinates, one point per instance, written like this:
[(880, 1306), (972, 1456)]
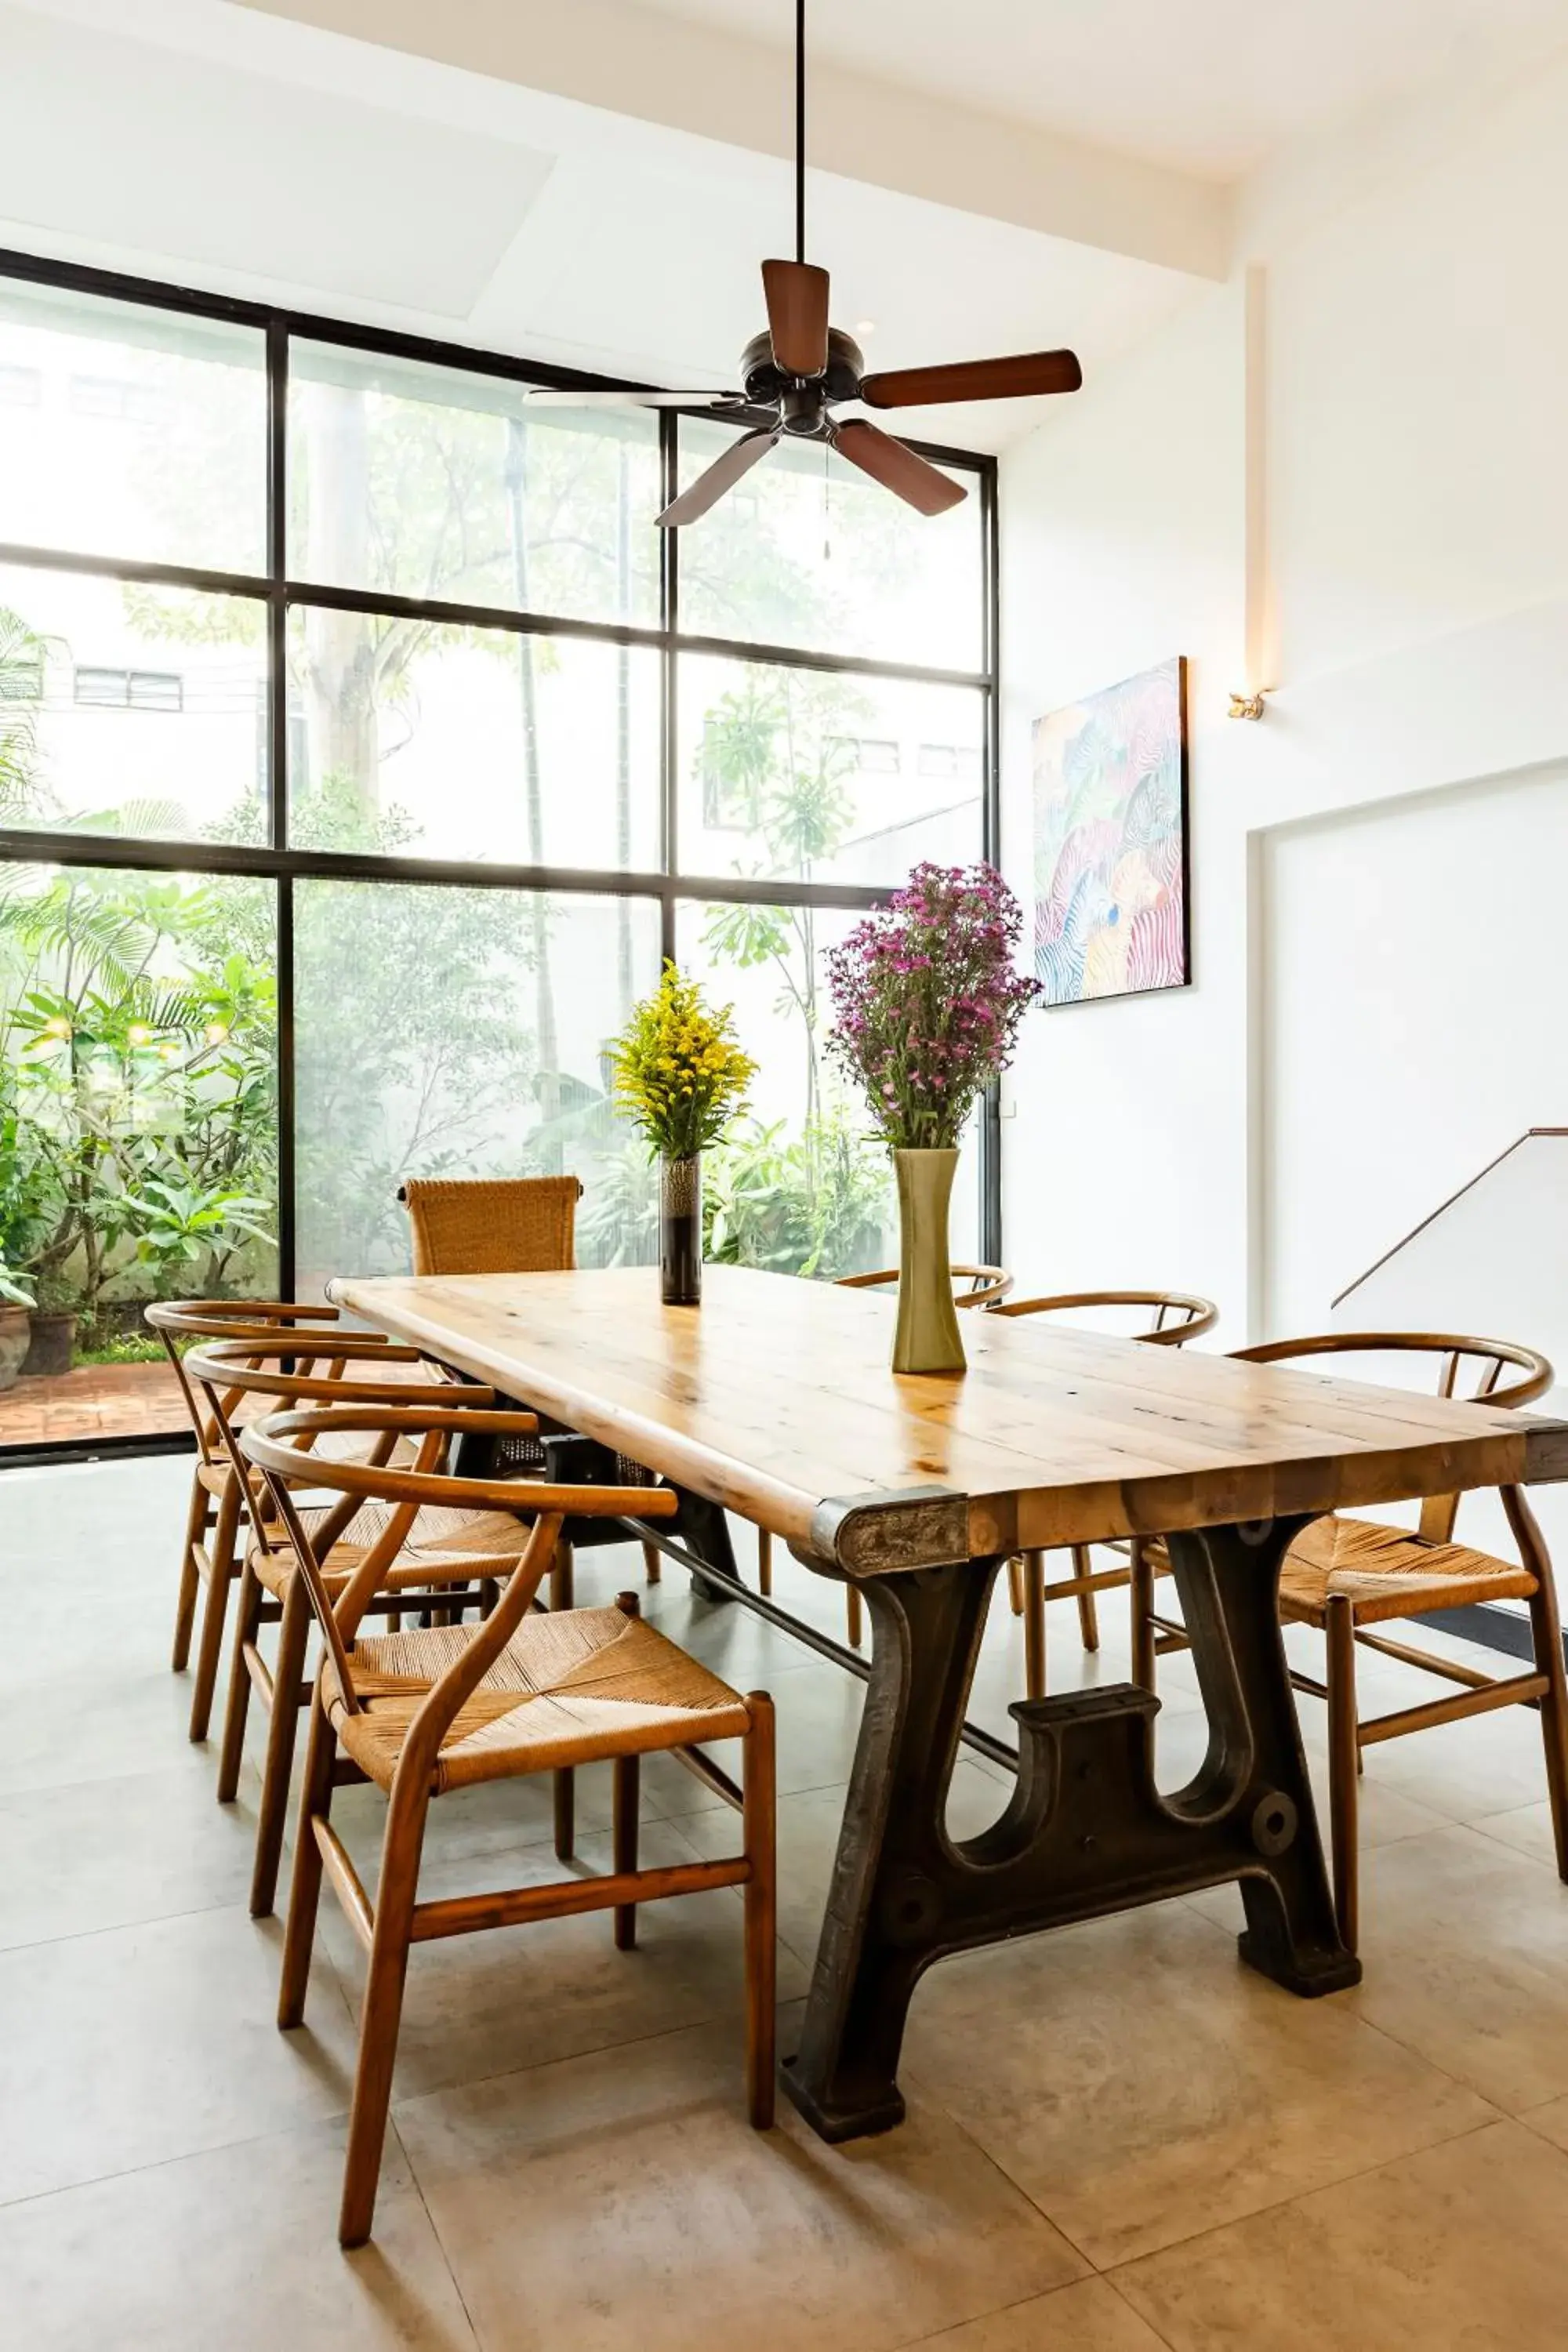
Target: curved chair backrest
[(1452, 1350), (175, 1319), (227, 1372), (275, 1445), (522, 1224), (972, 1286), (1172, 1317)]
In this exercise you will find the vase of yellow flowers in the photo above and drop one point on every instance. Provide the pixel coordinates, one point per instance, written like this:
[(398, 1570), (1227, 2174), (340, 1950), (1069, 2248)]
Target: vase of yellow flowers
[(680, 1076)]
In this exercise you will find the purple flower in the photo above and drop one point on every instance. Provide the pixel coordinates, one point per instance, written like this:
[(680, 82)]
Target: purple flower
[(927, 1002)]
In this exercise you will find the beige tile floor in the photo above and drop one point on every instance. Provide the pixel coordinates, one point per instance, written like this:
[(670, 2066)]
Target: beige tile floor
[(1118, 2138)]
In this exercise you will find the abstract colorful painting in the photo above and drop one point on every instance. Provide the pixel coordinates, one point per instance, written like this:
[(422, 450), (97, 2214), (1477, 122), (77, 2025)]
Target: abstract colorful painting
[(1110, 841)]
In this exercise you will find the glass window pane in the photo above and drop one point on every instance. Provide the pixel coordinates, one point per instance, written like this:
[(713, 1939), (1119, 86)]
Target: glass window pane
[(475, 743), (131, 711), (433, 482), (461, 1033), (132, 432), (804, 1185), (824, 776), (138, 1127), (807, 551)]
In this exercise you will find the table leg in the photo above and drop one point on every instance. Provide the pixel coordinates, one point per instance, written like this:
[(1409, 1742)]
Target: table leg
[(1086, 1831)]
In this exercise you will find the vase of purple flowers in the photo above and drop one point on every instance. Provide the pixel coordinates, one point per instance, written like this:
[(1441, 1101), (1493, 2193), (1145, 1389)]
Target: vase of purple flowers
[(927, 1000)]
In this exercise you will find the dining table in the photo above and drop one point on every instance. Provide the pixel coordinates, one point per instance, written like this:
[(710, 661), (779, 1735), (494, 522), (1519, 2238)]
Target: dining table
[(774, 1400)]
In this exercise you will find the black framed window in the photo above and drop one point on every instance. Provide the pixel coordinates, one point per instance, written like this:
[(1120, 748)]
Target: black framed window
[(364, 746)]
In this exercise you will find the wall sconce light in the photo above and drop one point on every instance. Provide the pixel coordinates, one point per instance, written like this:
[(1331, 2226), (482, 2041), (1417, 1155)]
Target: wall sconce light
[(1246, 706)]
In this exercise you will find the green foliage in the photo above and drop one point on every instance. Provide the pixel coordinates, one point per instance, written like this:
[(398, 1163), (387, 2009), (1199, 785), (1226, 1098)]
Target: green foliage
[(814, 1203), (409, 1052), (137, 1088), (21, 670), (617, 1224)]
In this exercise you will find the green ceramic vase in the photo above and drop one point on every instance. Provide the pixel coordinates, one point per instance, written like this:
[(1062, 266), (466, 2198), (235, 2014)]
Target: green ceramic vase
[(927, 1339)]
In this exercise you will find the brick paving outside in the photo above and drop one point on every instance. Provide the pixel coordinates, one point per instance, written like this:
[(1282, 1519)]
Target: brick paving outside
[(93, 1401)]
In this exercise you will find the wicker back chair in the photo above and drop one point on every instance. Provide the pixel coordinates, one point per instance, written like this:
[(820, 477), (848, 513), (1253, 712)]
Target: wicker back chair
[(423, 1714), (483, 1224), (208, 1560), (514, 1224), (440, 1554), (1165, 1319), (1346, 1575)]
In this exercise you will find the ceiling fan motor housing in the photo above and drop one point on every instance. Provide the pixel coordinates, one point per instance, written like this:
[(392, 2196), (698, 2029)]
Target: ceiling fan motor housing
[(767, 385)]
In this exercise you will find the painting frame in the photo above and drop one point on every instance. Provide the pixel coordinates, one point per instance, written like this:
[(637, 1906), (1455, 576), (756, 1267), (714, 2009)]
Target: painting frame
[(1166, 948)]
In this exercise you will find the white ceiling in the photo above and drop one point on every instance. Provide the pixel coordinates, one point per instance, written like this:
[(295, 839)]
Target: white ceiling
[(396, 190), (244, 148), (1212, 87)]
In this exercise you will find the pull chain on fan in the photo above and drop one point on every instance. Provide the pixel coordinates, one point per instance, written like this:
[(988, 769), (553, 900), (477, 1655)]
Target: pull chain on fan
[(802, 368)]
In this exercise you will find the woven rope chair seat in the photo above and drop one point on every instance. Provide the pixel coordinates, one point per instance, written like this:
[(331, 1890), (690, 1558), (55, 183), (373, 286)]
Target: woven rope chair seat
[(1385, 1573), (1389, 1573), (440, 1544), (572, 1687)]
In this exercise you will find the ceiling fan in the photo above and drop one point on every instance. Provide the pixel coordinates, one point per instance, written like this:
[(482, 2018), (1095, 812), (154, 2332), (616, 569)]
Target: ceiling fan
[(797, 372)]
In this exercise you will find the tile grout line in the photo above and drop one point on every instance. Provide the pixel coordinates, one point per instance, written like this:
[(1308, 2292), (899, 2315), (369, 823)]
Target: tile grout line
[(437, 2240), (1303, 2197)]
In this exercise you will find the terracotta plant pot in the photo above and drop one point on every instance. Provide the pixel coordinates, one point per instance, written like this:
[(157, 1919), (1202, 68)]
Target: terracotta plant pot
[(49, 1353), (16, 1334)]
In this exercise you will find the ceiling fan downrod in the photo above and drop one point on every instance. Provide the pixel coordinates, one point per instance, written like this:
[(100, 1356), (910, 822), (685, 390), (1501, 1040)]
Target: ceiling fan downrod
[(800, 129)]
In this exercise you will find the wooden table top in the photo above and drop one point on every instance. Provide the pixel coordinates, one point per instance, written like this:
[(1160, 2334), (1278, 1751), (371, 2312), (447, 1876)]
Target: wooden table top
[(775, 1398)]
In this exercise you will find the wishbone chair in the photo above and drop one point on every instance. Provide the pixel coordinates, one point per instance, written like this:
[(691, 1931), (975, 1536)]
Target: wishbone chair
[(424, 1714), (1177, 1316), (1346, 1575), (442, 1551), (209, 1559)]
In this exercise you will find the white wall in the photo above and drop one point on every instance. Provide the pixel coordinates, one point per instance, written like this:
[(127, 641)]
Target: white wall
[(1122, 531), (1411, 584)]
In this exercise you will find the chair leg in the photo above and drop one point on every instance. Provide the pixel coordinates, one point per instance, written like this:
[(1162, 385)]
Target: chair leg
[(1143, 1663), (625, 1795), (624, 1800), (1034, 1571), (1546, 1628), (1016, 1585), (1344, 1764), (764, 1563), (304, 1893), (1088, 1609), (380, 2011), (246, 1626), (563, 1581), (853, 1615), (225, 1536), (758, 1820), (196, 1523), (287, 1670), (652, 1562)]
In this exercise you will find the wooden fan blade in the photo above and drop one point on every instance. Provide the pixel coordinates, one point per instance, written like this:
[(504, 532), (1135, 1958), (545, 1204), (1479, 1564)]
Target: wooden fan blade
[(895, 465), (722, 476), (1015, 379), (549, 397), (797, 295)]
